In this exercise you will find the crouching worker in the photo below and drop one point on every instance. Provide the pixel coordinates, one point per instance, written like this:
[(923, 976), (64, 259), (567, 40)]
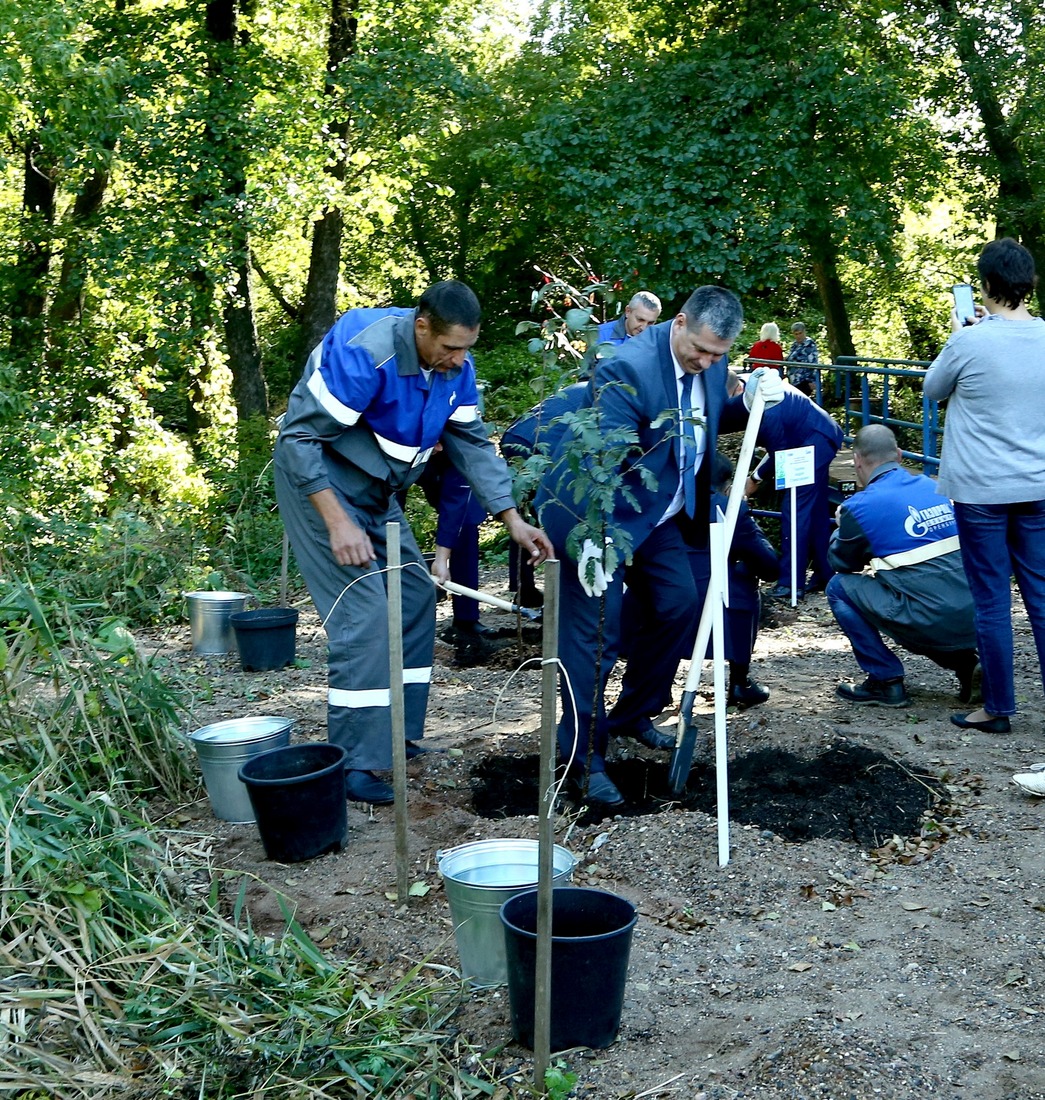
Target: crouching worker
[(360, 425), (917, 593)]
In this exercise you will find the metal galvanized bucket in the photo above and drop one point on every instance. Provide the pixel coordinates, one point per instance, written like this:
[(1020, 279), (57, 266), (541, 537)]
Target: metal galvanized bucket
[(210, 620), (223, 747), (479, 878)]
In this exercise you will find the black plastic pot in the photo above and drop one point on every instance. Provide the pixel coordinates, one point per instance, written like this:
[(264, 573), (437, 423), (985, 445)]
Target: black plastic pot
[(266, 638), (591, 942), (298, 795)]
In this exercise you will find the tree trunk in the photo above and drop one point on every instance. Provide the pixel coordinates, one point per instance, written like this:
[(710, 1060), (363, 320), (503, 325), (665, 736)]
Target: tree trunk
[(68, 298), (824, 258), (241, 335), (319, 307), (1020, 206), (29, 290)]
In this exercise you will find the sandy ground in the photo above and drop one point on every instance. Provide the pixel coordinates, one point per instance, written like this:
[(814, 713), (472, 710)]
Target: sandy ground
[(905, 964)]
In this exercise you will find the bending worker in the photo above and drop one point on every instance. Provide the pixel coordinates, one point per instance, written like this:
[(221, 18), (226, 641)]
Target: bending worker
[(360, 425)]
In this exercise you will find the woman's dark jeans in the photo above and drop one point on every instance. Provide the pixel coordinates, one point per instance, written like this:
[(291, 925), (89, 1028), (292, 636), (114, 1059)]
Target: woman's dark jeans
[(999, 541)]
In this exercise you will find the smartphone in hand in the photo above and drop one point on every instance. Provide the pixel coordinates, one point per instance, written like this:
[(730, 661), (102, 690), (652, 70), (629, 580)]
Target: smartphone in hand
[(963, 303)]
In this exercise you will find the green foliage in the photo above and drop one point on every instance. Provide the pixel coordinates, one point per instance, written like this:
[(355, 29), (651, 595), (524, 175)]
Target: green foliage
[(138, 967), (82, 704), (506, 375), (559, 1081)]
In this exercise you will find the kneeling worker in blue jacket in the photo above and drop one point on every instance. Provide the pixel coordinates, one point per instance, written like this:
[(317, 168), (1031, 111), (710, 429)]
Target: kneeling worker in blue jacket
[(917, 593)]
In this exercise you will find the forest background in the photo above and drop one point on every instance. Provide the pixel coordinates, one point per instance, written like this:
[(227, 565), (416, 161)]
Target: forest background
[(190, 193)]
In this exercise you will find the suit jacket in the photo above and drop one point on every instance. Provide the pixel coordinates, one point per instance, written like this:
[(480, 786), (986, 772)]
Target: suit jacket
[(636, 390)]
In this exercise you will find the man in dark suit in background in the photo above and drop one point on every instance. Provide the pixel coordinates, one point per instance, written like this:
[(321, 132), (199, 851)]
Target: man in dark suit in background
[(668, 387)]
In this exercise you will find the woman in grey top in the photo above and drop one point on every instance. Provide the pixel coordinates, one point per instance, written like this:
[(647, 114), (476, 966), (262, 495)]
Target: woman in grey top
[(992, 375)]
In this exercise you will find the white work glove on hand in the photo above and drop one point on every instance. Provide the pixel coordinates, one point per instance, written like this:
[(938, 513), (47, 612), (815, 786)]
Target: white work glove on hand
[(769, 382), (600, 578)]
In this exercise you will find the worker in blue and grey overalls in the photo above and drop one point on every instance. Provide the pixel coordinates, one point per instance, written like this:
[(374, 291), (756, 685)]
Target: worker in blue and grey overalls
[(360, 425)]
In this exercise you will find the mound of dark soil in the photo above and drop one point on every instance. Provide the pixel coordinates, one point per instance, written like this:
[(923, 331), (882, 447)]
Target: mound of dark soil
[(847, 792)]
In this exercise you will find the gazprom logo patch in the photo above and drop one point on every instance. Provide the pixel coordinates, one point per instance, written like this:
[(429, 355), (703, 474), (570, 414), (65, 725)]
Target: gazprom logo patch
[(922, 522)]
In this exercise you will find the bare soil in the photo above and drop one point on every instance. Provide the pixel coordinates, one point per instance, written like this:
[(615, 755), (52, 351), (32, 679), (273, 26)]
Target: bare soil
[(878, 931)]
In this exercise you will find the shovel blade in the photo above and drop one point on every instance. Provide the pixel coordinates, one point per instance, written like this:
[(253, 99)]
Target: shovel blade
[(682, 759)]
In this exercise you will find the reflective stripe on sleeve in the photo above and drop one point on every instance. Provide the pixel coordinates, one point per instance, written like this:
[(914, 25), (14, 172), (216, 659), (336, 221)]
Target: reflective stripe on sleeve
[(465, 414), (341, 413)]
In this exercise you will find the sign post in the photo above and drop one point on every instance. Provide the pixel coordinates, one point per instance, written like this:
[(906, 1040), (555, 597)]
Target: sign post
[(794, 467)]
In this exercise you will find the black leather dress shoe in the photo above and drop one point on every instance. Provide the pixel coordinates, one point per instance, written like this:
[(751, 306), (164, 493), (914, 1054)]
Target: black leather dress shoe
[(363, 786), (602, 789), (748, 694), (1000, 724), (470, 628), (414, 749), (651, 737)]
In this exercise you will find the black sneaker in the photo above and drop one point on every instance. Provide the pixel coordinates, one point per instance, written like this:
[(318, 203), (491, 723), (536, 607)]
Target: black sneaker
[(648, 735), (881, 693)]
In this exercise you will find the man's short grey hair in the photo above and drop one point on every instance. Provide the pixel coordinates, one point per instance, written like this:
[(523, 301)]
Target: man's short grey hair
[(875, 443), (716, 307), (798, 327), (645, 299)]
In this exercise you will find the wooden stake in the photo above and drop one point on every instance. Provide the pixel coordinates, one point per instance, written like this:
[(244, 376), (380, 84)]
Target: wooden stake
[(542, 999), (398, 709)]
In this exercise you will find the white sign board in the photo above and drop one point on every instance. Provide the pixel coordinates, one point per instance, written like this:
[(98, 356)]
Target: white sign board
[(795, 467)]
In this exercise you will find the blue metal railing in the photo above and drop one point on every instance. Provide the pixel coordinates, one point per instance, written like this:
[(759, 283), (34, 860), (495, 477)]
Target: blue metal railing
[(853, 372)]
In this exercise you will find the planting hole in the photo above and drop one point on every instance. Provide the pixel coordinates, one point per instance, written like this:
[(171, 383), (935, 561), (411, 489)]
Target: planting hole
[(848, 792)]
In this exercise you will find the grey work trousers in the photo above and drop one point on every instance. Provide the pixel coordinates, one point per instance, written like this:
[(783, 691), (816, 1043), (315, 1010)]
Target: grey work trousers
[(352, 602)]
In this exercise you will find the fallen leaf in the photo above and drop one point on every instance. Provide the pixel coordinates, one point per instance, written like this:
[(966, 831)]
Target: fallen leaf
[(913, 906), (418, 889), (800, 967)]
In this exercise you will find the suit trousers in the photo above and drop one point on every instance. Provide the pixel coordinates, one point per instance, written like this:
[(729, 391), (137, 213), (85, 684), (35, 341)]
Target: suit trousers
[(352, 601), (590, 636)]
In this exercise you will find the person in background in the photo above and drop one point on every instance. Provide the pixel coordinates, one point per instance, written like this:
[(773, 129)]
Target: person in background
[(797, 421), (537, 429), (751, 558), (992, 376), (366, 415), (642, 311), (768, 346), (917, 593), (459, 515), (802, 359)]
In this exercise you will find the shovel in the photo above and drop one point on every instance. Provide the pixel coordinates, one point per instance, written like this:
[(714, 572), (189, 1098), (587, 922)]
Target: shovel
[(686, 733), (531, 613)]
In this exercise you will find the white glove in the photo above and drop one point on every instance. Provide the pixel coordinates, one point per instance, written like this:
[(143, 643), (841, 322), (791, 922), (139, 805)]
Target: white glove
[(590, 561), (769, 382)]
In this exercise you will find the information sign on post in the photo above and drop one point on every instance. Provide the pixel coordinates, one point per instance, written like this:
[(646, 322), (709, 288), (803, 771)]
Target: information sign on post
[(794, 467)]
